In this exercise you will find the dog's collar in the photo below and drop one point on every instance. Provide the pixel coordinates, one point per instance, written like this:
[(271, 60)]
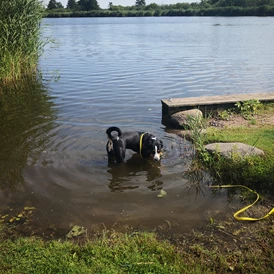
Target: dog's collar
[(141, 144)]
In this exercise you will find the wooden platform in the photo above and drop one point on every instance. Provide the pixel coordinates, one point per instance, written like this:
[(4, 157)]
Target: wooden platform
[(209, 104)]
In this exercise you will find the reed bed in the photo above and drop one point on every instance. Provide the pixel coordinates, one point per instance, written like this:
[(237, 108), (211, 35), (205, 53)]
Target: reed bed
[(21, 44)]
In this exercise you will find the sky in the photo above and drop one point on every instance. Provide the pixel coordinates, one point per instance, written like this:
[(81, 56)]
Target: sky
[(104, 3)]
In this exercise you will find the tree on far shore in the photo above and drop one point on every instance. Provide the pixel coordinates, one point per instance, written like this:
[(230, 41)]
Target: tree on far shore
[(72, 5), (88, 5), (140, 3), (53, 4)]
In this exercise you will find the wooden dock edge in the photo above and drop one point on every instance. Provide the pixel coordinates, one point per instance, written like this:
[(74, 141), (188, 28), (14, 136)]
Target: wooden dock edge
[(210, 104)]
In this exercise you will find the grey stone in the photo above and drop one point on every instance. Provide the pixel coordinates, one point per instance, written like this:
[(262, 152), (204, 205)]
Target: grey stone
[(181, 119), (188, 134), (228, 149)]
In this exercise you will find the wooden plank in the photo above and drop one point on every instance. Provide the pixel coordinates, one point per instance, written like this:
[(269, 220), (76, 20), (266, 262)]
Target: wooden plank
[(210, 103)]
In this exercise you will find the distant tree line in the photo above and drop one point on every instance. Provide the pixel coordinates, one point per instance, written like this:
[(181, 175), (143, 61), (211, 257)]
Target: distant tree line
[(83, 5), (90, 8)]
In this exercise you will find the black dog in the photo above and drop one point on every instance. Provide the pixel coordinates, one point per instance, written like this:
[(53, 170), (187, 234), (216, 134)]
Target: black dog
[(146, 144)]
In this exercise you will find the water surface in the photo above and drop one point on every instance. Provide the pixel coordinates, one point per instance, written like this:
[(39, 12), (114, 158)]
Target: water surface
[(114, 71)]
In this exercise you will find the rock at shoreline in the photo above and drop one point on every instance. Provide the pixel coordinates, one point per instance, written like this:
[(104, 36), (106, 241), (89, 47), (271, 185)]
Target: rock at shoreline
[(229, 149), (181, 119)]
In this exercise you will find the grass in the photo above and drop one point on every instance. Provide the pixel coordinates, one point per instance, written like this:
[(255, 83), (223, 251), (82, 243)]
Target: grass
[(226, 246), (254, 171), (222, 246), (111, 253), (20, 38), (260, 137)]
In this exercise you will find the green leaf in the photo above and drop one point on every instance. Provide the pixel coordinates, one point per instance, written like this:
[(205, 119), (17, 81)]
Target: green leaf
[(76, 231), (162, 194), (29, 208)]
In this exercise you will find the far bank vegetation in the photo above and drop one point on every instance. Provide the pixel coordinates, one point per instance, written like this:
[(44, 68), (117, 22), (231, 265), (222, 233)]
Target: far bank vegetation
[(91, 8)]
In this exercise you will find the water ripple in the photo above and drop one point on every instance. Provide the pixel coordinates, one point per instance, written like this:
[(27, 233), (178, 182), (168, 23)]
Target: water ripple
[(115, 71)]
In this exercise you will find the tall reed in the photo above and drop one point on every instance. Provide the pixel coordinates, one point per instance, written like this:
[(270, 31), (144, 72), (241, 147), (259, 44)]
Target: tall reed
[(20, 38)]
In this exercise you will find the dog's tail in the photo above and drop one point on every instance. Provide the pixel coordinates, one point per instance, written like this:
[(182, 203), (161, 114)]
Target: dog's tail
[(109, 130)]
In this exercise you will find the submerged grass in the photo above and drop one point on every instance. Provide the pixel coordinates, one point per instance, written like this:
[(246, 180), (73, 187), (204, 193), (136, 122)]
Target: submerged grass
[(20, 38)]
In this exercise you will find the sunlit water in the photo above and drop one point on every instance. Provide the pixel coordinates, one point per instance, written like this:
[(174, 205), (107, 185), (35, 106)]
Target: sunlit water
[(114, 71)]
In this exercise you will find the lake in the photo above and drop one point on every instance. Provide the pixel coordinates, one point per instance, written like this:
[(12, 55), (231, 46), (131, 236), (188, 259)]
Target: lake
[(103, 72)]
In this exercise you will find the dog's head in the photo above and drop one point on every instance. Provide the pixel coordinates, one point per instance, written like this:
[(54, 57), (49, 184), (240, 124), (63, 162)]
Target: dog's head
[(152, 147)]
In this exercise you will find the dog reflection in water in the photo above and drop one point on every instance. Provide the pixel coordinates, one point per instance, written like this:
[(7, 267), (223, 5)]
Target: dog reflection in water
[(123, 176), (146, 145)]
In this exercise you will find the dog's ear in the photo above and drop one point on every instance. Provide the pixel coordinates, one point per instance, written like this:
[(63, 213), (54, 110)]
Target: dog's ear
[(161, 143)]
